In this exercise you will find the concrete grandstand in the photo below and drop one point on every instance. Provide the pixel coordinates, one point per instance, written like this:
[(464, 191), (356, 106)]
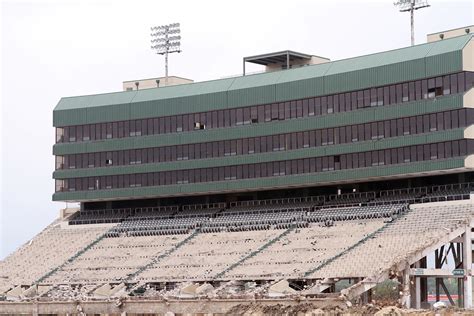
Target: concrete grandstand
[(310, 185)]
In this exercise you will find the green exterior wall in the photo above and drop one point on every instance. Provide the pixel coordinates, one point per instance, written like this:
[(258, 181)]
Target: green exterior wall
[(375, 70), (450, 102), (264, 183), (386, 143)]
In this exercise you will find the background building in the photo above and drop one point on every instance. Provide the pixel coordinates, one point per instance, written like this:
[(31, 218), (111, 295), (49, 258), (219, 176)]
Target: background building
[(393, 115)]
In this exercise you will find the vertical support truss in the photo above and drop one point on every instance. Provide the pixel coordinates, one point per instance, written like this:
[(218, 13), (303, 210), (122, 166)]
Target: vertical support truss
[(460, 250), (467, 262)]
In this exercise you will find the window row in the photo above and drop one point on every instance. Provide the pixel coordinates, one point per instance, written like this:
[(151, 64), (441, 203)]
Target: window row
[(392, 156), (343, 102), (281, 142)]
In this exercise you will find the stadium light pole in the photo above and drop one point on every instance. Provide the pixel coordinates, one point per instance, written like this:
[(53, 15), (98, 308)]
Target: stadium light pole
[(165, 39), (411, 6)]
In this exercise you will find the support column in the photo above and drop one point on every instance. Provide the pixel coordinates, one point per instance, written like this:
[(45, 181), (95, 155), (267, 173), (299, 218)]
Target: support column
[(35, 309), (438, 265), (369, 296), (458, 261), (467, 263), (364, 298), (423, 283), (417, 288), (406, 299)]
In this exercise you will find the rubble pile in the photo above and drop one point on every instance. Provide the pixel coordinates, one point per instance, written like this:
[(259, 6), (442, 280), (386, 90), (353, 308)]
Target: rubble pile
[(153, 292), (71, 292), (255, 309), (334, 309)]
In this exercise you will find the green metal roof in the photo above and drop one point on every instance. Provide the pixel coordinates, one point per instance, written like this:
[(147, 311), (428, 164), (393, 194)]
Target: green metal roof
[(344, 75)]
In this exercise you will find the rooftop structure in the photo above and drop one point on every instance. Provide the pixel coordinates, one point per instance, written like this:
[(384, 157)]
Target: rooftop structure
[(284, 60), (153, 83), (438, 36)]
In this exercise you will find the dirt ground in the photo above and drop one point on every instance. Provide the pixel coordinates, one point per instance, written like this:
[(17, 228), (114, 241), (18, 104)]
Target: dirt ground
[(310, 310)]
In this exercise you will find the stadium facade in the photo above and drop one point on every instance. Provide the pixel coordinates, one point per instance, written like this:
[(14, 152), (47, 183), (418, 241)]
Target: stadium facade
[(311, 184), (396, 114)]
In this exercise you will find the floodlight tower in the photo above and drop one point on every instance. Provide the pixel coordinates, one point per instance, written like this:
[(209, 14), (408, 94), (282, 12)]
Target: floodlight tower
[(164, 41), (411, 6)]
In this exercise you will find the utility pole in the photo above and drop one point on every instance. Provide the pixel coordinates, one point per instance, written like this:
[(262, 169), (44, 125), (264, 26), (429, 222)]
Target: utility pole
[(411, 6)]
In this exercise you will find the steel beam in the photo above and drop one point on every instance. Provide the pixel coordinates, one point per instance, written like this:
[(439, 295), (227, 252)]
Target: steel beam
[(467, 263)]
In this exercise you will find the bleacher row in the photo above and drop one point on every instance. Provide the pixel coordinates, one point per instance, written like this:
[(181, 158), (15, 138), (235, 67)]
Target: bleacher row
[(279, 218), (440, 193), (316, 251), (284, 241)]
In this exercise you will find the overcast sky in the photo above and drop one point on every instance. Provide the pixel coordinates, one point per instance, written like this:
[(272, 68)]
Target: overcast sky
[(51, 49)]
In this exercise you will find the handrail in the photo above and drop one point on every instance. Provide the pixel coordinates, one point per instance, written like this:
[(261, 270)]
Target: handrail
[(415, 194)]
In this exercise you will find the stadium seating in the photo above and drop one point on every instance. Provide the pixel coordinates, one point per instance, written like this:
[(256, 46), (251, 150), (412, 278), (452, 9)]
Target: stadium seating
[(233, 220), (301, 249), (310, 237), (118, 215), (447, 193), (238, 212), (357, 212), (160, 211), (100, 216), (48, 250), (413, 231), (203, 257), (158, 226), (113, 259), (220, 243)]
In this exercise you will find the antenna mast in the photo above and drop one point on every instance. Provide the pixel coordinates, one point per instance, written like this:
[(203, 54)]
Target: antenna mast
[(165, 44), (411, 6)]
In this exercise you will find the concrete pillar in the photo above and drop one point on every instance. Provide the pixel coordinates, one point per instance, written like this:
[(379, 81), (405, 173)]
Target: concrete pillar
[(366, 297), (35, 309), (363, 298), (369, 296), (417, 304), (467, 263), (424, 283), (406, 299)]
